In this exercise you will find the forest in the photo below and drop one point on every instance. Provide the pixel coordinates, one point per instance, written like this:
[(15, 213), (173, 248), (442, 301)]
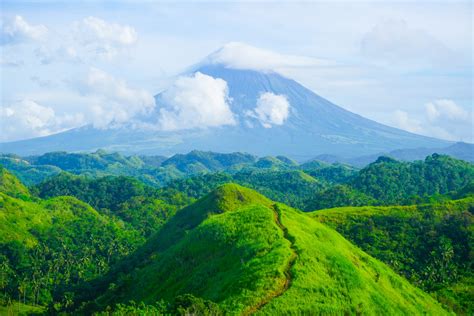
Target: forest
[(212, 234)]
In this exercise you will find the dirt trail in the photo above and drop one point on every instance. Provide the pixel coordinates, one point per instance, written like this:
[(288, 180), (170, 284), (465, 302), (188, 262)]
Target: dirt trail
[(287, 272)]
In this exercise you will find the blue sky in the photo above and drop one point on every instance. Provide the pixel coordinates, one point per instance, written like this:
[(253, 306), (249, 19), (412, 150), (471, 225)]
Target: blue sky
[(405, 64)]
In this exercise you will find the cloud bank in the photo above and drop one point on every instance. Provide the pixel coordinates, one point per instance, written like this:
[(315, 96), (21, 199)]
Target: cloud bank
[(442, 118), (103, 38), (112, 100), (196, 101), (271, 109)]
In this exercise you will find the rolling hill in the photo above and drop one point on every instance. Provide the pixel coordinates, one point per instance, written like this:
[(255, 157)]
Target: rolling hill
[(49, 245), (248, 254), (429, 244)]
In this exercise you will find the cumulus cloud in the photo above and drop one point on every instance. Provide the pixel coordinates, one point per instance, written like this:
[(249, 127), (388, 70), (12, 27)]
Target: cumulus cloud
[(86, 41), (271, 109), (103, 38), (18, 30), (112, 100), (442, 119), (243, 56), (26, 119), (196, 101)]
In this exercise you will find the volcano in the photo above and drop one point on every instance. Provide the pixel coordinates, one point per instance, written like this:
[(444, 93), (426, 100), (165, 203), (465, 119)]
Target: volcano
[(308, 125)]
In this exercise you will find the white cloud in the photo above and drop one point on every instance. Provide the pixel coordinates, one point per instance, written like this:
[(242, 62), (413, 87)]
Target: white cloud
[(18, 29), (103, 38), (27, 119), (196, 101), (243, 56), (87, 41), (112, 100), (271, 109), (446, 109), (442, 118)]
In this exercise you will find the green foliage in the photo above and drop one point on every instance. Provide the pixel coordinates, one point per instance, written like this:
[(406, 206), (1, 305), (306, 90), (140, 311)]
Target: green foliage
[(134, 309), (292, 187), (124, 197), (17, 308), (431, 245), (27, 173), (200, 161), (233, 250), (10, 185), (35, 169), (332, 276), (339, 195), (48, 246), (394, 182), (238, 249), (332, 174), (275, 163), (188, 304)]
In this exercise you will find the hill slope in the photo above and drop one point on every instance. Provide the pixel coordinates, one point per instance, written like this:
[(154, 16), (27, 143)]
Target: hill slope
[(247, 254), (48, 246), (431, 244)]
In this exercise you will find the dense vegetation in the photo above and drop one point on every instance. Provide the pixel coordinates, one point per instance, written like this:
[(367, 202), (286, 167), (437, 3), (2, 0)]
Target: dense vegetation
[(241, 251), (47, 246), (394, 182), (112, 234), (124, 197), (431, 245)]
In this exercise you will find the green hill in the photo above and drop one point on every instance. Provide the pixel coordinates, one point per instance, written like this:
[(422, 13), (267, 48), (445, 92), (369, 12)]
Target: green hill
[(248, 254), (144, 207), (201, 161), (48, 246), (395, 182), (10, 185), (431, 244), (292, 187)]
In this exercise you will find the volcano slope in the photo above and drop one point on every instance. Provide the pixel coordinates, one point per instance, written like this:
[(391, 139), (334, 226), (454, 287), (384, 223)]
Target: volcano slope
[(251, 255)]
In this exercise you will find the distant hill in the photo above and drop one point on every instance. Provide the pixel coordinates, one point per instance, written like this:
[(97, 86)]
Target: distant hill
[(463, 151), (246, 254), (153, 170), (393, 182)]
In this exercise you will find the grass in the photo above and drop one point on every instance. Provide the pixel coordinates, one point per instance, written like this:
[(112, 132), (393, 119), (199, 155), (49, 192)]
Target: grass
[(229, 248), (17, 308), (409, 238), (332, 276)]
